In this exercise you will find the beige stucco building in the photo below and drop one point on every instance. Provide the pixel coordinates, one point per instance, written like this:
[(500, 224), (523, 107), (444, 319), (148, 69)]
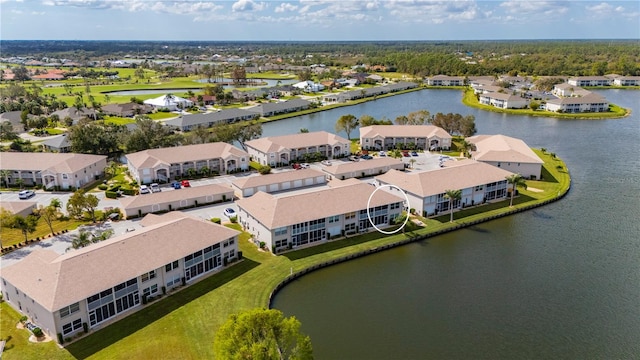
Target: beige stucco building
[(386, 137), (103, 282), (165, 164), (51, 170), (507, 153)]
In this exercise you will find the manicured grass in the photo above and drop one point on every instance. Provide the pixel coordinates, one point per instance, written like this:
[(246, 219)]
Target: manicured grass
[(118, 120), (271, 76), (615, 111), (14, 236), (183, 325), (162, 115), (18, 345)]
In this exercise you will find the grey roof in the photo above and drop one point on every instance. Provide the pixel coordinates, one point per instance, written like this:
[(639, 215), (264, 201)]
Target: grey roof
[(57, 142), (208, 119), (282, 106)]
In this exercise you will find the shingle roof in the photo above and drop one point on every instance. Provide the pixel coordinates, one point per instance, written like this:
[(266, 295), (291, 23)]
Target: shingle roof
[(502, 148), (587, 99), (279, 106), (164, 197), (17, 207), (426, 131), (150, 158), (342, 197), (58, 142), (68, 162), (466, 174), (355, 166), (295, 141), (55, 281), (221, 116), (276, 178)]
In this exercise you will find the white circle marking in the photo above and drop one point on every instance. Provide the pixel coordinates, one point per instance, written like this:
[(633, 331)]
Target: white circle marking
[(369, 214)]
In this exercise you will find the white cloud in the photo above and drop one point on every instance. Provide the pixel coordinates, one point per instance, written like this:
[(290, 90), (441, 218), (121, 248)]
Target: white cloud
[(247, 5), (286, 7), (535, 7), (434, 11), (600, 8)]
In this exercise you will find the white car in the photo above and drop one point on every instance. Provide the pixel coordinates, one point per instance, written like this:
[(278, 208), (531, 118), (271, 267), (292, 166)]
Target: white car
[(382, 153), (326, 162), (155, 187), (144, 189), (26, 194), (229, 212), (305, 165)]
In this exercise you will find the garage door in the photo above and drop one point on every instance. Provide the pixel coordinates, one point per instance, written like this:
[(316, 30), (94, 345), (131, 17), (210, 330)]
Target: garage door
[(262, 188), (308, 181), (248, 192), (320, 180), (285, 186), (297, 183), (273, 187)]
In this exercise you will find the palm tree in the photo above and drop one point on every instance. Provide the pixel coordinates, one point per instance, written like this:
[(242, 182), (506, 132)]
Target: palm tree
[(465, 146), (81, 239), (5, 176), (412, 161), (516, 180), (452, 195), (168, 99)]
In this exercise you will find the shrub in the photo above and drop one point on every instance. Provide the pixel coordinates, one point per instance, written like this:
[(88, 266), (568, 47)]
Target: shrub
[(60, 339), (264, 170), (111, 194), (23, 319), (216, 220), (234, 219), (103, 187), (129, 192), (37, 332)]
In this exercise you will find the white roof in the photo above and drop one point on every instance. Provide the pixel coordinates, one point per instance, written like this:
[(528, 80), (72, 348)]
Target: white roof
[(168, 102)]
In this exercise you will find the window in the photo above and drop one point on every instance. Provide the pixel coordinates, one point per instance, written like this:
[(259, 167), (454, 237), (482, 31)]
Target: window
[(171, 266), (350, 215), (333, 219), (72, 326), (65, 177), (150, 290), (67, 310), (174, 281), (148, 276), (280, 231)]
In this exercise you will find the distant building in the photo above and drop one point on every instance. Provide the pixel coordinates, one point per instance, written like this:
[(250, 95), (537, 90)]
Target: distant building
[(588, 103), (386, 137), (507, 153)]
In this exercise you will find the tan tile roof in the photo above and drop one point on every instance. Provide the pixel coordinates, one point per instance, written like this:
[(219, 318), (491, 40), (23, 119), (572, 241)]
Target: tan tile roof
[(171, 155), (355, 166), (502, 148), (56, 162), (55, 281), (464, 175), (171, 195), (340, 198), (295, 141), (426, 131), (275, 178)]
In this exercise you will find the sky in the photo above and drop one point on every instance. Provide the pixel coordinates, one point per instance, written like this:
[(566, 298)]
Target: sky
[(317, 20)]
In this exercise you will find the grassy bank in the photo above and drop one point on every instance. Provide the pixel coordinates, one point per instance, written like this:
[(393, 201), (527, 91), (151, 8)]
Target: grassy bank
[(183, 325), (615, 111)]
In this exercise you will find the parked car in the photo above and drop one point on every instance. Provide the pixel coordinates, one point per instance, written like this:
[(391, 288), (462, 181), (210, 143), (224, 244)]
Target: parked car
[(305, 165), (326, 162), (176, 185), (366, 157), (382, 153), (296, 166), (413, 153), (229, 212), (26, 194), (185, 183), (155, 187), (405, 154), (353, 158), (144, 189)]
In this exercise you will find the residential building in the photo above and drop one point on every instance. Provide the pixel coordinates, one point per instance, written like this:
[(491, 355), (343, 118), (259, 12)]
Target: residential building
[(170, 102), (445, 80), (293, 220), (309, 86), (15, 119), (386, 137), (59, 143), (75, 114), (188, 197), (276, 182), (226, 116), (363, 168), (126, 110), (503, 100), (627, 81), (22, 208), (62, 170), (507, 153), (568, 90), (426, 190), (588, 103), (281, 107), (278, 150), (101, 283), (590, 81), (165, 164)]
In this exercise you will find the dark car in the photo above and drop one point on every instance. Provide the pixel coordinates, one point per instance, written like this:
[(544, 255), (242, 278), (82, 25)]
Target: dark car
[(366, 157), (176, 185), (413, 153)]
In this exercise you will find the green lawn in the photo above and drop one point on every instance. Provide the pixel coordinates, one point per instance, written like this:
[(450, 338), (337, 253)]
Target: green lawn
[(13, 236), (183, 324), (615, 111)]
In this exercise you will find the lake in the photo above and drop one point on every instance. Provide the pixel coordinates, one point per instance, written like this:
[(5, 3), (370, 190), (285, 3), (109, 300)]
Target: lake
[(561, 281)]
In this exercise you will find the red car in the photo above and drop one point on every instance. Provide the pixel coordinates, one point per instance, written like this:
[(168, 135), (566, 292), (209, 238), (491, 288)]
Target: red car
[(405, 154), (185, 183)]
